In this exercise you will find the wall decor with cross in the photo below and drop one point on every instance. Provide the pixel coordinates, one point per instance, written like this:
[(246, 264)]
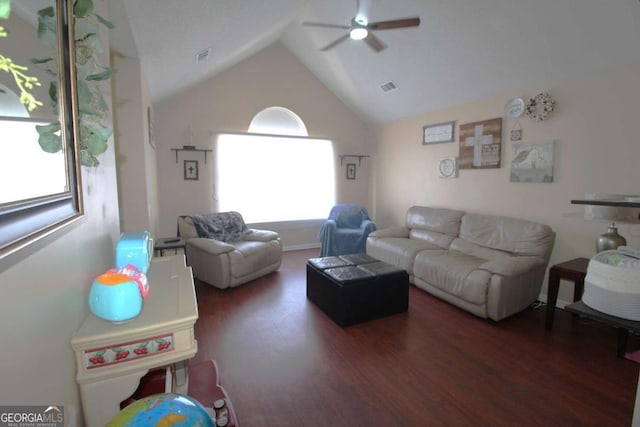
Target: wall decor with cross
[(480, 144), (191, 170)]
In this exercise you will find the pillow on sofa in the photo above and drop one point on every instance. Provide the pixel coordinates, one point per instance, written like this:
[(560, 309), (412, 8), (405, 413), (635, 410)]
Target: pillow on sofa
[(224, 226)]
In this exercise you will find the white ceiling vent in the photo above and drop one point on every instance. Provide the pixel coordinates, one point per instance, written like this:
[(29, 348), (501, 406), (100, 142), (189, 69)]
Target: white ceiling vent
[(202, 55), (388, 86)]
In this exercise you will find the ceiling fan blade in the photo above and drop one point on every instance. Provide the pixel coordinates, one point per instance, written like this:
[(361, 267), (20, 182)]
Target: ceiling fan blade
[(374, 42), (396, 23), (323, 25), (335, 42)]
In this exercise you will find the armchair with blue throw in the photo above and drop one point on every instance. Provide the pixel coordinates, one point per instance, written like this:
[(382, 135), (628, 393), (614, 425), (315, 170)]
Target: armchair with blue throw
[(346, 230)]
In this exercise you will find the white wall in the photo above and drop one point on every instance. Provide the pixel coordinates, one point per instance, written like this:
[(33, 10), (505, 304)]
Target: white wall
[(44, 295), (228, 102), (598, 147), (137, 171)]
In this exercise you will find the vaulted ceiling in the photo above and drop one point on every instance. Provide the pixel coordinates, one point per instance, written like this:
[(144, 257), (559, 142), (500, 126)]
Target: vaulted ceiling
[(463, 50)]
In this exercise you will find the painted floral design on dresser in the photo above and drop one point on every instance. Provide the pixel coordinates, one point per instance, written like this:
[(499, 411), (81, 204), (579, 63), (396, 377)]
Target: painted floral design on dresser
[(129, 351)]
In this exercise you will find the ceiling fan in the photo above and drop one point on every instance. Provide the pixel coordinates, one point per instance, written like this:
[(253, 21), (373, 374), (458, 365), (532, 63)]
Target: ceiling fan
[(360, 29)]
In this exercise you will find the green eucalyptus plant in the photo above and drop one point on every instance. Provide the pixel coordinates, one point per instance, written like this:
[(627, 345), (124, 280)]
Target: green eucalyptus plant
[(23, 81), (93, 110)]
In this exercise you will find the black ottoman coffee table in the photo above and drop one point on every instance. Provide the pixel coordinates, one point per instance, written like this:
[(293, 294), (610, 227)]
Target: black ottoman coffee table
[(355, 288)]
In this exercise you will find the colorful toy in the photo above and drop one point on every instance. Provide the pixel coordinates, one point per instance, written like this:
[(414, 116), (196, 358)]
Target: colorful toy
[(135, 248), (117, 295)]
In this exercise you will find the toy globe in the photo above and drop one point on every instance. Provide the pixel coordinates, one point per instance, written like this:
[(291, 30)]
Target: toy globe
[(166, 409)]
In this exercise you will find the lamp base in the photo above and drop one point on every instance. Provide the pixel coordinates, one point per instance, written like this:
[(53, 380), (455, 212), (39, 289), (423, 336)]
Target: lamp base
[(610, 240)]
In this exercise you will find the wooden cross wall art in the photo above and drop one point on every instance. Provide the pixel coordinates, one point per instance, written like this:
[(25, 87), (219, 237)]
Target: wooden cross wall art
[(480, 144)]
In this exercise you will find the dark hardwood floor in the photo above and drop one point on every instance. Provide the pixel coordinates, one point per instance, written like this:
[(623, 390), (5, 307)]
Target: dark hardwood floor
[(284, 363)]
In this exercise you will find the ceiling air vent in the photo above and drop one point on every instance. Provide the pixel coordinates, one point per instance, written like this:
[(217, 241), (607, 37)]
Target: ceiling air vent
[(202, 55), (388, 86)]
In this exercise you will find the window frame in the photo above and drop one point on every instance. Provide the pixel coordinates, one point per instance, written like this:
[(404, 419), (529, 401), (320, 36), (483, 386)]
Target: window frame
[(26, 221), (279, 223)]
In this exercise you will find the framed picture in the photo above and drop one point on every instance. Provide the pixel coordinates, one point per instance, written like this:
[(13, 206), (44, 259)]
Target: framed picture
[(448, 167), (480, 144), (351, 171), (532, 162), (191, 169), (151, 128), (435, 134)]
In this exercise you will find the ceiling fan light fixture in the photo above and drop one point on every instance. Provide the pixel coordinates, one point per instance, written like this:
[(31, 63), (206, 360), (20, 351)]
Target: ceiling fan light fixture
[(358, 33)]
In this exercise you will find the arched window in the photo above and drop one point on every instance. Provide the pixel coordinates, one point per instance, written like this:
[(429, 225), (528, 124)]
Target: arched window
[(278, 121), (275, 172)]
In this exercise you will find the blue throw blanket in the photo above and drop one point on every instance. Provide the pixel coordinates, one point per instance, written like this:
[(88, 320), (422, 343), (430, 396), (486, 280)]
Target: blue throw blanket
[(346, 230), (224, 226)]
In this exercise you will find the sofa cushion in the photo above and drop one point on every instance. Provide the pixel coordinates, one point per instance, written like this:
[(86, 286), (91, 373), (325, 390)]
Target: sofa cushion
[(478, 251), (441, 240), (454, 272), (251, 256), (398, 251), (513, 235), (445, 221)]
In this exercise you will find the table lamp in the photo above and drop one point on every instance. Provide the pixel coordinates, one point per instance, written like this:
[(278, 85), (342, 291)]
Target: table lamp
[(614, 208)]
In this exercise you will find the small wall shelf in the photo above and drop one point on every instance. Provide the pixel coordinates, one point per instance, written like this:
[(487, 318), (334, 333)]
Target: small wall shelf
[(189, 148), (359, 156), (604, 202)]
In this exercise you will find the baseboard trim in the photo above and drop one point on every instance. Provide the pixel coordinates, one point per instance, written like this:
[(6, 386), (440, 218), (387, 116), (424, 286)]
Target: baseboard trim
[(301, 247)]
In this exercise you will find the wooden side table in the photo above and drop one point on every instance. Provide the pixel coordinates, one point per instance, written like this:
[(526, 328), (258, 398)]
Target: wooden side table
[(623, 325), (574, 270)]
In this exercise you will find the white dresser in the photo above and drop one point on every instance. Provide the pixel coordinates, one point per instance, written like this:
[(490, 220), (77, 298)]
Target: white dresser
[(111, 358)]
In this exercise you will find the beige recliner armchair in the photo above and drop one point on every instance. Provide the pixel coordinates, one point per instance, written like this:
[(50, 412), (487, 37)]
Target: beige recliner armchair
[(224, 252)]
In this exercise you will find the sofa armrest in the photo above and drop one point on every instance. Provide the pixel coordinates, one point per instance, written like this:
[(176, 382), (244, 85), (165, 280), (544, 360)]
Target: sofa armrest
[(211, 246), (513, 266), (391, 232), (256, 235)]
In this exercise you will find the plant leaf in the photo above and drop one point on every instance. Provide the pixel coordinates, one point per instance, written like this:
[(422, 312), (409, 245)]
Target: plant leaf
[(53, 95), (104, 22), (96, 145), (50, 140), (85, 98), (37, 61), (94, 138), (82, 8), (87, 159), (84, 48), (47, 26), (5, 9), (98, 104), (106, 74)]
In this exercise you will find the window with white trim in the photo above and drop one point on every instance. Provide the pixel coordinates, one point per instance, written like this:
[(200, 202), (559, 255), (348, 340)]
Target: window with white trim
[(270, 177)]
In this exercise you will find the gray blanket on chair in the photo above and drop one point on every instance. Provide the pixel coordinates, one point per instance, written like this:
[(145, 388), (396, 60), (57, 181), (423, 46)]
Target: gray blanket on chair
[(224, 226)]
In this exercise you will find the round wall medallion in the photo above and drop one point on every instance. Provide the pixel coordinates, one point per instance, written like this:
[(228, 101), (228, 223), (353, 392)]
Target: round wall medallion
[(538, 108), (448, 167), (514, 108)]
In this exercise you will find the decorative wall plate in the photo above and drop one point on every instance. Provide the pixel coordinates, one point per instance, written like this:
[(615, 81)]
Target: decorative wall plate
[(448, 167), (514, 108)]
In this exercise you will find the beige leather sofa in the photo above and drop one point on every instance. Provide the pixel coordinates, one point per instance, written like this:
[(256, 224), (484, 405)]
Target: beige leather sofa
[(228, 264), (491, 266)]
